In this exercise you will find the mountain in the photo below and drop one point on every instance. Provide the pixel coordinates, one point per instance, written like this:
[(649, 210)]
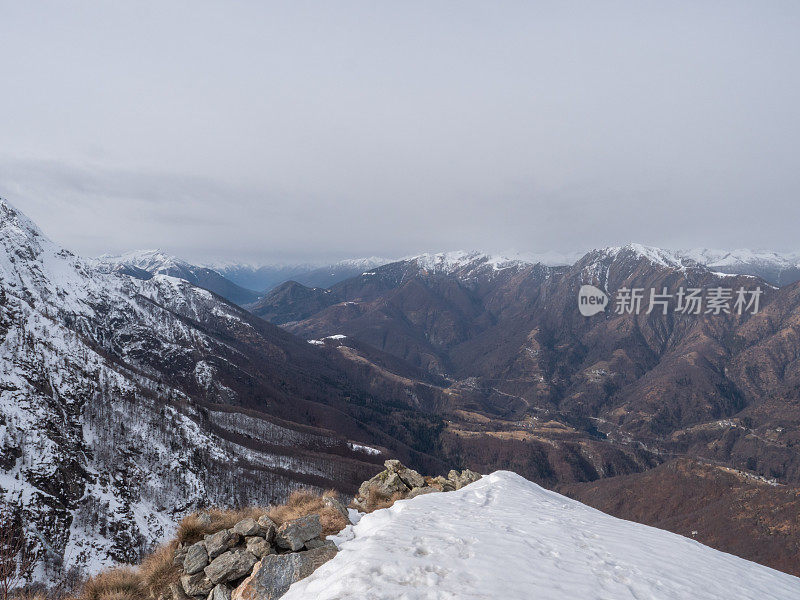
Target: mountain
[(505, 537), (143, 264), (775, 268), (126, 403), (510, 342), (267, 277)]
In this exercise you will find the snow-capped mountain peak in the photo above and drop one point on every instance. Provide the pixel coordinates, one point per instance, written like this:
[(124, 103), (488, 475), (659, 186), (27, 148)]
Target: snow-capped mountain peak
[(35, 269), (154, 261)]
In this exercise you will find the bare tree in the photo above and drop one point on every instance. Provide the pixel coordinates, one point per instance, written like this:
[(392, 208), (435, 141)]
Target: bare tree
[(18, 554)]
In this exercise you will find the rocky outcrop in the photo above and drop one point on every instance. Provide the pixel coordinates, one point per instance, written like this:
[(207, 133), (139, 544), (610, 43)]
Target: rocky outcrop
[(275, 573), (254, 559), (398, 482)]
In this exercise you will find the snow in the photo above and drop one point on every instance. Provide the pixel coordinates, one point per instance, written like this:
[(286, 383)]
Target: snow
[(505, 537), (362, 448), (713, 258), (153, 261)]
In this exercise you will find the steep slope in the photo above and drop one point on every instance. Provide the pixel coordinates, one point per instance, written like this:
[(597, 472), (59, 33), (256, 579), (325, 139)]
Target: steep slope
[(146, 263), (125, 403), (510, 340), (506, 537)]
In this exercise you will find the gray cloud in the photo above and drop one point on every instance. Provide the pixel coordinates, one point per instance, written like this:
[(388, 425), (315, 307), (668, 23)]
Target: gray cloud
[(306, 130)]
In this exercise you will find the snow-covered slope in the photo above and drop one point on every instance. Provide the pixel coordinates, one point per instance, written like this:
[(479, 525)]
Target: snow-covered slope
[(143, 264), (774, 267), (118, 403), (505, 537)]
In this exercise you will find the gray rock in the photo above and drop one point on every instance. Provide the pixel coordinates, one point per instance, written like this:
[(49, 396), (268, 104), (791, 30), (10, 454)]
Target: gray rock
[(393, 484), (197, 584), (247, 527), (258, 546), (338, 507), (275, 573), (318, 543), (408, 476), (220, 592), (230, 565), (411, 478), (219, 542), (421, 491), (463, 478), (470, 476), (268, 527), (179, 555), (292, 535), (196, 558), (393, 465)]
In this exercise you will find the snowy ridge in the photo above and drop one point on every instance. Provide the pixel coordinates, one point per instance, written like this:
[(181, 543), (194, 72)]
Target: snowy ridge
[(152, 261), (742, 256), (469, 264), (506, 537)]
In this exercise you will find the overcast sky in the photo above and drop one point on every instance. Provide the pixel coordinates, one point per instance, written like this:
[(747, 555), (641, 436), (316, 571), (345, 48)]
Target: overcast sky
[(287, 131)]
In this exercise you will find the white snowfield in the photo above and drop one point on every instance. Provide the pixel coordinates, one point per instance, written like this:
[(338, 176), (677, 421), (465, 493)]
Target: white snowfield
[(504, 537)]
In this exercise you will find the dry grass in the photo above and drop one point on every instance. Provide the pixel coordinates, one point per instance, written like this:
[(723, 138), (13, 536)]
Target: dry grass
[(28, 595), (193, 528), (157, 570), (306, 502), (114, 584)]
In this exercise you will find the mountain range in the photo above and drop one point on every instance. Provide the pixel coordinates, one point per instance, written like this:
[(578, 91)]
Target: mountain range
[(130, 395), (243, 283), (126, 402)]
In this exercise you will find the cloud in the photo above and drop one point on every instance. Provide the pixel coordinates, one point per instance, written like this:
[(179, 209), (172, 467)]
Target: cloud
[(304, 132)]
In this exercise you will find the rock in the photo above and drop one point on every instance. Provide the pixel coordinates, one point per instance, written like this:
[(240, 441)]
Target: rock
[(247, 527), (197, 584), (230, 565), (411, 478), (196, 558), (219, 542), (408, 476), (275, 573), (392, 485), (470, 476), (437, 482), (176, 592), (465, 477), (292, 535), (338, 507), (268, 527), (258, 546), (318, 543), (393, 465), (421, 491), (220, 592), (179, 555)]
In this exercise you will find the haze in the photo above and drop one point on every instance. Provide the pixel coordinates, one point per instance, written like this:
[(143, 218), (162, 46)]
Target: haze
[(296, 131)]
